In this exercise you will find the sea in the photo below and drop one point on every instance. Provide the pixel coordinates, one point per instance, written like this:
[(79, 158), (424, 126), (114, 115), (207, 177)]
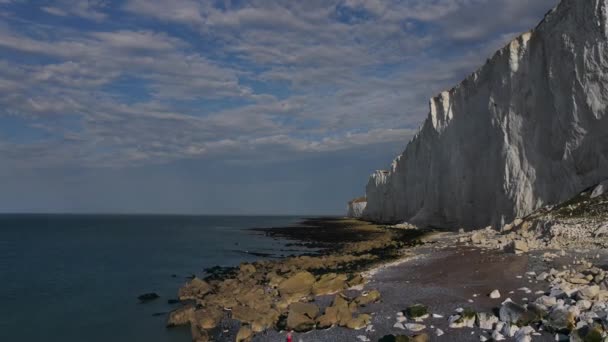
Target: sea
[(77, 277)]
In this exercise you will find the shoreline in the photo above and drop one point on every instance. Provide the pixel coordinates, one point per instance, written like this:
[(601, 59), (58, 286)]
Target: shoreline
[(376, 273), (345, 248)]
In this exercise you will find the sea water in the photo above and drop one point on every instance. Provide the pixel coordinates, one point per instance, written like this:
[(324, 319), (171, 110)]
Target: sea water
[(77, 277)]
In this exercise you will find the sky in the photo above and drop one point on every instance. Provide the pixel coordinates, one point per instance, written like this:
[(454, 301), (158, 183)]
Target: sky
[(225, 107)]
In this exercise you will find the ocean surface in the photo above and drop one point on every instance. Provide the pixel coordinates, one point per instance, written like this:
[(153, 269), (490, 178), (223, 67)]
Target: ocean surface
[(77, 277)]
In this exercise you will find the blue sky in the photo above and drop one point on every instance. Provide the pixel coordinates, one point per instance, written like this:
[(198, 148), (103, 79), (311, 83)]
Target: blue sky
[(233, 106)]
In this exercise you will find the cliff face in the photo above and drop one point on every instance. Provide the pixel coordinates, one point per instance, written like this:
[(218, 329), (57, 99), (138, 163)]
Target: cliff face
[(527, 129), (356, 207)]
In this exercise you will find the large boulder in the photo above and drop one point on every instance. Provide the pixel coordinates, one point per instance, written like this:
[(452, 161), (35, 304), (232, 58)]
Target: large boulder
[(244, 334), (344, 313), (299, 322), (147, 297), (245, 314), (359, 322), (194, 289), (367, 298), (297, 286), (198, 334), (307, 309), (329, 284), (329, 318), (181, 315), (208, 318)]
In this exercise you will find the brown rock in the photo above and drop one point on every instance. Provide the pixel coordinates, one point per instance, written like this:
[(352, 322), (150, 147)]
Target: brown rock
[(180, 316), (194, 289), (307, 309), (198, 335), (297, 286), (359, 322), (274, 279), (299, 322), (356, 280), (329, 284), (221, 300), (208, 318), (421, 338), (247, 269), (253, 297), (244, 314), (329, 318), (371, 297), (344, 314), (244, 334)]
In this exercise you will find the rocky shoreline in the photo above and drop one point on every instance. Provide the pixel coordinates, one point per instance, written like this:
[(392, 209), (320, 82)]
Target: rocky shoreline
[(283, 294), (403, 283)]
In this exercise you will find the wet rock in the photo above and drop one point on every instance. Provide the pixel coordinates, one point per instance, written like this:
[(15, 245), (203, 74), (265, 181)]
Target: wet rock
[(370, 297), (180, 316), (198, 335), (302, 316), (247, 269), (299, 322), (307, 309), (244, 335), (208, 318), (343, 311), (274, 279), (196, 288), (328, 319), (359, 322), (297, 286), (420, 338), (146, 297), (244, 314), (329, 284), (356, 281)]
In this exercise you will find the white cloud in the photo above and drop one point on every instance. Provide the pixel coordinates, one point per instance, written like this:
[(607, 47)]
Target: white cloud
[(252, 79), (89, 9)]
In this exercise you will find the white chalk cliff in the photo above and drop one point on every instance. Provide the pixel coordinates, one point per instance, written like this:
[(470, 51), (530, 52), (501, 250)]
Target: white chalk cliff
[(529, 128), (356, 207)]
